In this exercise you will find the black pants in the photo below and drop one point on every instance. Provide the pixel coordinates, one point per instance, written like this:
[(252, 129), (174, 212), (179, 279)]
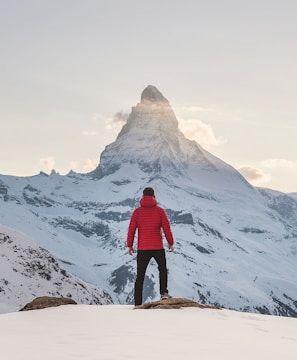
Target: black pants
[(143, 259)]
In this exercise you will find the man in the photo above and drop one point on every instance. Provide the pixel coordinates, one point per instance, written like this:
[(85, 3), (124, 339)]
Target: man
[(149, 219)]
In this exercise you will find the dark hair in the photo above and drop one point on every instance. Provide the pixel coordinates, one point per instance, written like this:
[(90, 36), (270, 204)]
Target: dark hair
[(148, 191)]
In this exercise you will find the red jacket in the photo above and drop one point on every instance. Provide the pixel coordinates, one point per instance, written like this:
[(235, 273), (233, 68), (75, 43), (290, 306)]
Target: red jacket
[(149, 219)]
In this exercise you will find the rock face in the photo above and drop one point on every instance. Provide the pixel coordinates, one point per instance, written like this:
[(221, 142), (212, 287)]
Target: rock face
[(152, 94), (46, 302)]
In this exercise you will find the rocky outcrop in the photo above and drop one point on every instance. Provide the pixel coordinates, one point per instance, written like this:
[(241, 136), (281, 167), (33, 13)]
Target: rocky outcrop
[(174, 303), (43, 302)]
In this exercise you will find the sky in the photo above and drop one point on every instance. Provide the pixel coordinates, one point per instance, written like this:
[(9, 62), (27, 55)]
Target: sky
[(117, 332), (72, 69)]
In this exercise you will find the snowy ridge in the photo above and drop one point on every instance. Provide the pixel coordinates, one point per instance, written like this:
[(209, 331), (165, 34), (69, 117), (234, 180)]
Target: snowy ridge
[(229, 235), (29, 271)]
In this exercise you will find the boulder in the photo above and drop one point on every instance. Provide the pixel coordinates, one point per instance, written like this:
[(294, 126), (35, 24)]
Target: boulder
[(174, 303), (47, 301)]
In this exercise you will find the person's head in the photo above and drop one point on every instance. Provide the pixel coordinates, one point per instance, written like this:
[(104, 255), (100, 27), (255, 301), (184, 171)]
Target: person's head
[(148, 191)]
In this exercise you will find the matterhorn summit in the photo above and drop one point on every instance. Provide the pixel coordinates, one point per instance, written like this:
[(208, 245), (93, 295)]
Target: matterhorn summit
[(235, 245), (152, 142), (152, 94), (149, 139)]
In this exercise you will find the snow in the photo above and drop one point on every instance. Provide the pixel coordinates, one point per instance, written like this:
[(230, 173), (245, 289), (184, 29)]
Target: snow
[(238, 273), (29, 271), (235, 245), (115, 332)]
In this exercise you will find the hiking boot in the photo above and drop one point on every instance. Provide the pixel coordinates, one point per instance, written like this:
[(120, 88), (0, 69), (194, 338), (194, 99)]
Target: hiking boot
[(165, 296)]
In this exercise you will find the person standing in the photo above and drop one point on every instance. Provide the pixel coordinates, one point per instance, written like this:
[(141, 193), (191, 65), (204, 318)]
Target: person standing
[(149, 219)]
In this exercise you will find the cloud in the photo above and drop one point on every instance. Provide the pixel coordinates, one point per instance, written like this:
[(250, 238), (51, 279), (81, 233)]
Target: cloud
[(194, 108), (115, 122), (91, 164), (48, 163), (89, 133), (279, 163), (73, 165), (254, 175), (201, 132)]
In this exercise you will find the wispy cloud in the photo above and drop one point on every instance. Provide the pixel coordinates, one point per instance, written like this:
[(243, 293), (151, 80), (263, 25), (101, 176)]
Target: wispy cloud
[(90, 164), (195, 108), (201, 132), (254, 175), (47, 163), (89, 133), (115, 122), (279, 163), (73, 165)]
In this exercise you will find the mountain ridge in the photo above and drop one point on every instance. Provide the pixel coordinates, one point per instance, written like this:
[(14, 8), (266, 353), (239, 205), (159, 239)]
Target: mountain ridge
[(29, 271), (229, 235)]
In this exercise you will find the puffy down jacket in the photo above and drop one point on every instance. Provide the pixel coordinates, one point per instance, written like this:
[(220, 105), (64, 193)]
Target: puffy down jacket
[(149, 219)]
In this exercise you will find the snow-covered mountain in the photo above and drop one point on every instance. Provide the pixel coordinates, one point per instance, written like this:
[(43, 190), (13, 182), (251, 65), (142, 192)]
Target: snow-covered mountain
[(235, 244), (29, 271)]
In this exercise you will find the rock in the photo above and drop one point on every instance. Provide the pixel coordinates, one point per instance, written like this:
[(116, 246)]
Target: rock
[(47, 301), (152, 94), (174, 303)]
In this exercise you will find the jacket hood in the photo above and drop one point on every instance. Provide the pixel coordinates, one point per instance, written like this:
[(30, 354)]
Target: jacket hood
[(148, 201)]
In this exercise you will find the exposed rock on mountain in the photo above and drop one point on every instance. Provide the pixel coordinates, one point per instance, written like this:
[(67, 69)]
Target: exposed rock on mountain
[(152, 141), (27, 271)]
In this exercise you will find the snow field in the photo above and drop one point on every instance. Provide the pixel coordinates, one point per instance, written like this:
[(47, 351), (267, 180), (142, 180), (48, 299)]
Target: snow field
[(115, 332)]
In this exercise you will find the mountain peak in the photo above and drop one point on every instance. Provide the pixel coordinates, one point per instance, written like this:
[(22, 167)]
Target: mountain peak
[(152, 94), (151, 139)]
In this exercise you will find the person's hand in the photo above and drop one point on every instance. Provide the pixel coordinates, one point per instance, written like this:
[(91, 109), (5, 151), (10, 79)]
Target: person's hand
[(171, 248), (130, 250)]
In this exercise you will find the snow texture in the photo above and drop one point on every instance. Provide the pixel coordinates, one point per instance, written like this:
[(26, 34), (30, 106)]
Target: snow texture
[(116, 332)]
